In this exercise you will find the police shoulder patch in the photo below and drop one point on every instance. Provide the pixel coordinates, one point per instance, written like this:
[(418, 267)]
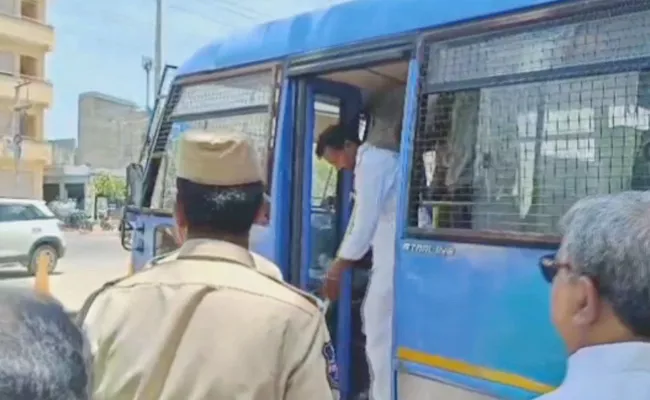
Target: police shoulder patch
[(164, 258), (332, 368)]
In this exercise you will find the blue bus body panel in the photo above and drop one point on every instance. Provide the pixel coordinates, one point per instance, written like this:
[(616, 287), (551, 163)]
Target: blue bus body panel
[(483, 305), (342, 25)]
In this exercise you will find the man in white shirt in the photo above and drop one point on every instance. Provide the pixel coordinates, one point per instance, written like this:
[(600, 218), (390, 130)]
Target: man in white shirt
[(601, 298), (372, 224)]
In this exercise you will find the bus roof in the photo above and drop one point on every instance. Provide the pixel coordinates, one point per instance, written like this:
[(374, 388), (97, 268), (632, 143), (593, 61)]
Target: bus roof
[(342, 25)]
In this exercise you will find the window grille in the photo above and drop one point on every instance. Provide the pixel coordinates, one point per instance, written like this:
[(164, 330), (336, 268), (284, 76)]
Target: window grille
[(239, 104), (245, 91), (513, 129)]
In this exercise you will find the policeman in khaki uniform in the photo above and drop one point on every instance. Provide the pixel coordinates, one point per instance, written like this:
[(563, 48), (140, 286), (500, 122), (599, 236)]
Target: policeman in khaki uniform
[(262, 264), (207, 323)]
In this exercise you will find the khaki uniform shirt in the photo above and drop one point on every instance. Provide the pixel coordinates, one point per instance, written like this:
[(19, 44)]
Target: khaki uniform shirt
[(205, 324), (262, 264)]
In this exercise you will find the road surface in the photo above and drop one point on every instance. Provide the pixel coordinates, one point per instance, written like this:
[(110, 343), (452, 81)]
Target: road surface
[(91, 260)]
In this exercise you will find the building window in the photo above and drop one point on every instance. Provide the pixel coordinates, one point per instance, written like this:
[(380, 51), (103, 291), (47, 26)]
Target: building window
[(8, 7), (7, 63), (28, 66), (29, 9), (28, 127), (6, 117)]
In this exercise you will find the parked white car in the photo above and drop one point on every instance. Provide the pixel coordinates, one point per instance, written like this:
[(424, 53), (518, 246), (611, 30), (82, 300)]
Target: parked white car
[(28, 231)]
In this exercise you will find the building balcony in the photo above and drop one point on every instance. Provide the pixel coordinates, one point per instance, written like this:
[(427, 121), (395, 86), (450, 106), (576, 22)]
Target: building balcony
[(32, 150), (37, 91), (26, 31)]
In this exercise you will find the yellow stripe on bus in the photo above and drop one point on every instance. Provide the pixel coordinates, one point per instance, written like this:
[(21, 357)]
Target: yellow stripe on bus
[(463, 368)]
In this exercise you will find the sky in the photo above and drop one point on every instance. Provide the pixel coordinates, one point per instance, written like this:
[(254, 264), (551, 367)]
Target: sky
[(100, 44)]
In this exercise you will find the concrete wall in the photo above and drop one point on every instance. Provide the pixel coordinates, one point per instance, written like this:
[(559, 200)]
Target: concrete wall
[(25, 181), (63, 151), (111, 131)]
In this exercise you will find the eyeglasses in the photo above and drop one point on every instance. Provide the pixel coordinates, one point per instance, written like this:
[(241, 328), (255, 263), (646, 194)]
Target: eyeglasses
[(550, 267)]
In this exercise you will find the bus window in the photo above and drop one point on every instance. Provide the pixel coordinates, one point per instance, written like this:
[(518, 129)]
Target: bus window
[(509, 157), (447, 158), (244, 103)]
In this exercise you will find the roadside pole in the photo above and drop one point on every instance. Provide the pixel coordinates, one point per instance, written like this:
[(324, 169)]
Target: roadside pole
[(42, 277), (157, 60), (147, 64)]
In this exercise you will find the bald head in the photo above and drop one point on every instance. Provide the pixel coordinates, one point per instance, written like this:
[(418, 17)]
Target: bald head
[(43, 355)]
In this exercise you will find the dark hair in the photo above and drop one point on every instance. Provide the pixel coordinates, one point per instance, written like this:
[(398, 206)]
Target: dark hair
[(43, 354), (334, 137), (219, 209)]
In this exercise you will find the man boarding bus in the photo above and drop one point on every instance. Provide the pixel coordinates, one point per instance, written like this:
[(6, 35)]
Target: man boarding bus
[(373, 223)]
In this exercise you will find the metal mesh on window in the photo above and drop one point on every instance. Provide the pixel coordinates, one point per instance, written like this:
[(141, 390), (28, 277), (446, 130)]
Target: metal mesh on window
[(246, 91), (514, 157), (618, 38), (255, 125), (239, 104)]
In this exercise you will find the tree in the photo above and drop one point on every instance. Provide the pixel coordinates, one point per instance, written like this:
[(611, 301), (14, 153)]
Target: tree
[(109, 186)]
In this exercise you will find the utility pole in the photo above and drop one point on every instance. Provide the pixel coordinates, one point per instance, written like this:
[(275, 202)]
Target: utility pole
[(157, 63), (146, 65)]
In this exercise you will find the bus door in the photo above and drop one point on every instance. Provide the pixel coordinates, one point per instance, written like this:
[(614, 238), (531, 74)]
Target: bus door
[(321, 197)]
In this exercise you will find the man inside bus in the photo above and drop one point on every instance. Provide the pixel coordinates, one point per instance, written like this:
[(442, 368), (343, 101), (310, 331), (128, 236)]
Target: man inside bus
[(373, 223), (43, 354), (601, 297), (206, 323)]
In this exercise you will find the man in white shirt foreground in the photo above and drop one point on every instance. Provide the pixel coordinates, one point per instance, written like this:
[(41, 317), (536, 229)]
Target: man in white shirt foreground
[(601, 298), (372, 223)]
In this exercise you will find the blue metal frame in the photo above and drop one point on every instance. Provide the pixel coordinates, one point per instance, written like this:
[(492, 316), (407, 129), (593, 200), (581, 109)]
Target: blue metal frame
[(409, 120), (307, 237), (350, 106), (340, 26), (282, 180)]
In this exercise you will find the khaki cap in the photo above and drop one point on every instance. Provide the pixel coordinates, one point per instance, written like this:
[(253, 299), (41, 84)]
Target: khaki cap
[(219, 158)]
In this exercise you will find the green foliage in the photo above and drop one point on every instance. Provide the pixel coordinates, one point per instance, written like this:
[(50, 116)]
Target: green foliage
[(321, 185), (111, 187)]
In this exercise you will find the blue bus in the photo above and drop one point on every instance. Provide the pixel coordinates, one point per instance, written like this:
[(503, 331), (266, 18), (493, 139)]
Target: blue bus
[(513, 110)]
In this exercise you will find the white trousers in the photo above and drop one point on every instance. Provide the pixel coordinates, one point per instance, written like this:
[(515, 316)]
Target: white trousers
[(377, 312), (378, 327)]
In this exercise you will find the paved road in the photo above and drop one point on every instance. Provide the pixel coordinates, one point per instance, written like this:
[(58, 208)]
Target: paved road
[(91, 260)]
